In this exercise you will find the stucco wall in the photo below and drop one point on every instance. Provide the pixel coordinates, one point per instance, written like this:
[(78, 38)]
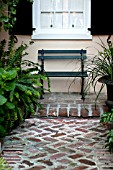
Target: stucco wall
[(61, 84)]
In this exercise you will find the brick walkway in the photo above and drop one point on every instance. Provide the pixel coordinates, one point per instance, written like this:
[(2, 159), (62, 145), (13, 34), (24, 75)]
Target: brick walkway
[(58, 143)]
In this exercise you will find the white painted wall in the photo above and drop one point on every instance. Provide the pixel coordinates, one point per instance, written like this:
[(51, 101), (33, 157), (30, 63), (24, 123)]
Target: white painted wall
[(61, 84)]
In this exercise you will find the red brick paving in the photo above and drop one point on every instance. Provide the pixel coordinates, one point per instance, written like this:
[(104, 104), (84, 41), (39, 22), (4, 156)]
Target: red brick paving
[(69, 148), (59, 143)]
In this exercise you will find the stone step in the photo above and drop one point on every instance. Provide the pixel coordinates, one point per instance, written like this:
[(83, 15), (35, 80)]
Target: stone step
[(71, 110)]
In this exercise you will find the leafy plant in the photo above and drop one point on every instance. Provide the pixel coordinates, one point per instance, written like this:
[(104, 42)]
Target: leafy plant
[(4, 164), (106, 117), (8, 13), (101, 66), (20, 87), (109, 141), (7, 85)]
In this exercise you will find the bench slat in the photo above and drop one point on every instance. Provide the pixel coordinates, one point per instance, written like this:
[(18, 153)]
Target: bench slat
[(62, 51), (62, 57), (66, 74)]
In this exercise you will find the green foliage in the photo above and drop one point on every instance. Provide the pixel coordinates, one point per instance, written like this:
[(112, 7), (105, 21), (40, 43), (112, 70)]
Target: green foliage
[(20, 86), (7, 85), (8, 13), (101, 66), (109, 141), (106, 117), (4, 164)]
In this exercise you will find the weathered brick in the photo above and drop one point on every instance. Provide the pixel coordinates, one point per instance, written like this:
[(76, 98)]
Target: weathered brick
[(80, 168), (50, 150), (59, 144), (52, 112), (75, 156), (39, 155), (95, 111), (27, 162), (76, 145), (85, 150), (21, 166), (58, 134), (57, 156), (60, 167), (37, 168), (105, 108), (47, 162), (34, 139), (64, 161), (43, 112), (36, 130), (84, 112), (73, 112), (86, 161), (63, 112), (49, 139)]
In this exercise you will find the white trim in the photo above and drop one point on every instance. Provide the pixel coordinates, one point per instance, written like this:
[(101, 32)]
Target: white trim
[(62, 36), (61, 33)]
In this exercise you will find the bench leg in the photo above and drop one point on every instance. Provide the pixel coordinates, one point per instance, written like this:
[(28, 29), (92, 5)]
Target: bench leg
[(82, 89), (42, 89)]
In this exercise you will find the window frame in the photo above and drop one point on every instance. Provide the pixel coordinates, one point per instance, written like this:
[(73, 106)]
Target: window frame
[(62, 34)]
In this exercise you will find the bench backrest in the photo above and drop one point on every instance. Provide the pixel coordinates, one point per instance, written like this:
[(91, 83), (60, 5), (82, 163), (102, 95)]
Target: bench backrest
[(62, 54)]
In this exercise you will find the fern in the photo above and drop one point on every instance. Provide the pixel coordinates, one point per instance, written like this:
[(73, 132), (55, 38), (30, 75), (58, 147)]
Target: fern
[(21, 89), (4, 164), (2, 53)]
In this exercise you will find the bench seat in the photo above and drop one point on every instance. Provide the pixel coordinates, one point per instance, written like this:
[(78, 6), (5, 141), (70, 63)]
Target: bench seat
[(66, 74)]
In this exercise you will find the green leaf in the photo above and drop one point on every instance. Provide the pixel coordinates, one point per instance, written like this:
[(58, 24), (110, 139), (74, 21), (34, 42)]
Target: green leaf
[(2, 131), (1, 91), (10, 105), (20, 114), (17, 95), (10, 86), (1, 111), (1, 71), (1, 119), (28, 92), (9, 75), (3, 100)]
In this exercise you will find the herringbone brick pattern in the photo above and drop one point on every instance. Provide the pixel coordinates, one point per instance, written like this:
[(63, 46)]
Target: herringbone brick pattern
[(58, 144)]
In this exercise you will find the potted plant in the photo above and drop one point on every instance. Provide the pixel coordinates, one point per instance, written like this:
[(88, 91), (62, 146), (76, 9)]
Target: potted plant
[(101, 70)]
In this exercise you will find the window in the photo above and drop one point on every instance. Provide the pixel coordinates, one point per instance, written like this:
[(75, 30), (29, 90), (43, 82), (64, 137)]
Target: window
[(61, 19)]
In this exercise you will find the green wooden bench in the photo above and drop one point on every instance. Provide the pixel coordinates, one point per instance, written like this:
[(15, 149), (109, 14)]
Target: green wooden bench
[(63, 55)]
